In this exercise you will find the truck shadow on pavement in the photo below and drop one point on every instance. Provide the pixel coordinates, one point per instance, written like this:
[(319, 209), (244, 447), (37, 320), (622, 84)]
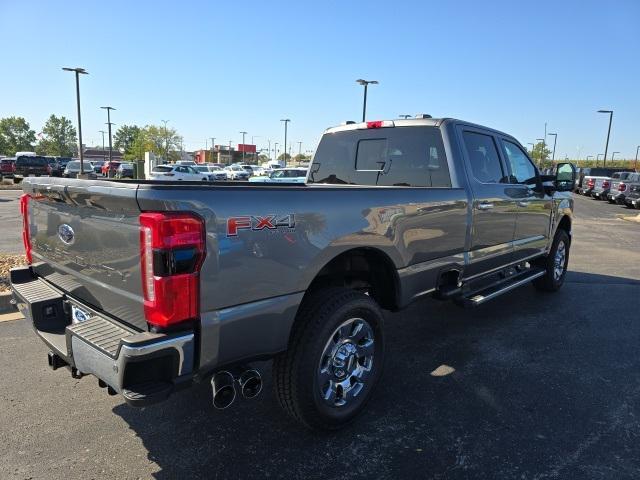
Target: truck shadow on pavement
[(526, 385)]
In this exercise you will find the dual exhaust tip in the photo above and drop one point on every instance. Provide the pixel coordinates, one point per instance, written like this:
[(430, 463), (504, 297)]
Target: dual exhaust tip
[(223, 385)]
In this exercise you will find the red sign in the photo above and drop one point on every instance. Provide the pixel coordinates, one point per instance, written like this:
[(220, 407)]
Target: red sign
[(243, 147)]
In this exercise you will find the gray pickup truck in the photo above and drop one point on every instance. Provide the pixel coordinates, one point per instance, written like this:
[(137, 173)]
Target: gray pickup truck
[(151, 286)]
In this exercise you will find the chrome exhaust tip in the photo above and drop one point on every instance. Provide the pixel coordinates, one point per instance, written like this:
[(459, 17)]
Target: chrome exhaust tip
[(250, 383), (223, 389)]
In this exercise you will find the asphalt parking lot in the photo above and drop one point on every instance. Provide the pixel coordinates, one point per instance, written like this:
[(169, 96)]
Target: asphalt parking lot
[(541, 386)]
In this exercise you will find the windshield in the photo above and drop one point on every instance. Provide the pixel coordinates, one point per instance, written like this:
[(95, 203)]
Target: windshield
[(163, 168), (202, 168), (76, 165)]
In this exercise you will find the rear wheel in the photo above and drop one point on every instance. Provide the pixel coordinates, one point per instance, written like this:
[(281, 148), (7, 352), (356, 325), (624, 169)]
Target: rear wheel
[(554, 264), (334, 359)]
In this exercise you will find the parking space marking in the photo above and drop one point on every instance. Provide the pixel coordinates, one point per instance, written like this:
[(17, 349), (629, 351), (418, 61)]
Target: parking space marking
[(11, 316)]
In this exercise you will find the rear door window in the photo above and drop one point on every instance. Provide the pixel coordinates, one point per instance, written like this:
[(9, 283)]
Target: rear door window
[(483, 156), (396, 156)]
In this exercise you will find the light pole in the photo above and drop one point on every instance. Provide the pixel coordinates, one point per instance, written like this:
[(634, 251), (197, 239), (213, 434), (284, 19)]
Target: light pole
[(103, 132), (404, 116), (532, 147), (230, 154), (79, 71), (243, 135), (635, 162), (269, 149), (108, 109), (275, 151), (255, 155), (166, 141), (286, 122), (598, 158), (555, 138), (613, 155), (543, 148), (588, 156), (365, 84), (213, 140), (606, 147)]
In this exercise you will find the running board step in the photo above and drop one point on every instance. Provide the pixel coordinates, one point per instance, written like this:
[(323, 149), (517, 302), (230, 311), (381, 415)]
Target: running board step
[(474, 299)]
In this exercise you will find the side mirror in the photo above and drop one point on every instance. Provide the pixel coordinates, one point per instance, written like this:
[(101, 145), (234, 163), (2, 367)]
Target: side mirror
[(565, 177)]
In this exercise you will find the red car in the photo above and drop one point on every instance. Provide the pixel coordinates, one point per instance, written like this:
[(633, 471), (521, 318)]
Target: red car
[(7, 167), (109, 168)]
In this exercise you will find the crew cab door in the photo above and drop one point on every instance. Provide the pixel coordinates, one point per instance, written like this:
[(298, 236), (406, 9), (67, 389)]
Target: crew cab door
[(493, 213), (534, 207)]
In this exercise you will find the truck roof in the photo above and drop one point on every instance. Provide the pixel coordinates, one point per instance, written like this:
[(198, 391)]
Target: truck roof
[(421, 121)]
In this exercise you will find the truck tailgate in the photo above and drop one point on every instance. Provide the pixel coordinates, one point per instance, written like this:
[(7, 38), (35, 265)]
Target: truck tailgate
[(85, 241)]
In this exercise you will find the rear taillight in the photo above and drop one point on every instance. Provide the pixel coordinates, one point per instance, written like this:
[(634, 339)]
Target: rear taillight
[(13, 167), (172, 249), (49, 170), (591, 182), (605, 184), (621, 187), (26, 233)]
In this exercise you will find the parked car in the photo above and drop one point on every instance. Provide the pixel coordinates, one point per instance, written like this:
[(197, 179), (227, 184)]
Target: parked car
[(602, 185), (619, 186), (632, 198), (201, 281), (283, 175), (56, 168), (597, 176), (31, 166), (236, 172), (109, 169), (72, 170), (177, 172), (218, 174), (257, 170), (7, 167), (124, 170)]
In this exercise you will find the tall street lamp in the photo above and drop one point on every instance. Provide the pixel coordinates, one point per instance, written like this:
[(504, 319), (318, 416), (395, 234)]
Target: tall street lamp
[(255, 155), (588, 157), (555, 138), (243, 135), (532, 146), (365, 84), (79, 71), (102, 132), (598, 158), (166, 141), (108, 109), (275, 151), (543, 149), (606, 147), (286, 122), (635, 162), (613, 155), (213, 142)]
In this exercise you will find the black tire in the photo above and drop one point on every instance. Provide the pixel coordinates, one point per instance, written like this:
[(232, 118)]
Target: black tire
[(550, 282), (296, 372)]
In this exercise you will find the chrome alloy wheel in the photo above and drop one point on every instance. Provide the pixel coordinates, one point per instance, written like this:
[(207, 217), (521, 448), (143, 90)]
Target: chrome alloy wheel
[(346, 362), (559, 261)]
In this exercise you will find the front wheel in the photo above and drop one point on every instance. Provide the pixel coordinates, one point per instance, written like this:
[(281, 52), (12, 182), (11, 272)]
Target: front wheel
[(334, 359), (554, 264)]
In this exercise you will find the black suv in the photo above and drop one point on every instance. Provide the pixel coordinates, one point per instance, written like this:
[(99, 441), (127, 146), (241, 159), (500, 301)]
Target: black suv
[(31, 166)]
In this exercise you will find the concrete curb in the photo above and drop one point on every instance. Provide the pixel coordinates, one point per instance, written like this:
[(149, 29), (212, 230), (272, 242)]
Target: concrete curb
[(5, 302)]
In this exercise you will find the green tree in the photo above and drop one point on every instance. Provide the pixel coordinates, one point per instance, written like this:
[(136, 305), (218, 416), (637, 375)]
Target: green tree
[(125, 137), (163, 142), (15, 136), (58, 138), (284, 156), (540, 152)]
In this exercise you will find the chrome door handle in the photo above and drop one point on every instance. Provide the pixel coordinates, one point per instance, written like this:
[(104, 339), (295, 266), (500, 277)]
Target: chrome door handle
[(485, 206), (523, 204)]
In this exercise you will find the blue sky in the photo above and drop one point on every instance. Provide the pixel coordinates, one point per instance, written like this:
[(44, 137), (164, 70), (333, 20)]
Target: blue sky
[(215, 68)]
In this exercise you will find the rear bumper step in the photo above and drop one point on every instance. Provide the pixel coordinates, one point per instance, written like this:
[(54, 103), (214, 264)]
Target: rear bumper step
[(144, 367), (478, 297)]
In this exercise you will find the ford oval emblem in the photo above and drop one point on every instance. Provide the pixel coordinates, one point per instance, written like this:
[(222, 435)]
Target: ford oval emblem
[(66, 234)]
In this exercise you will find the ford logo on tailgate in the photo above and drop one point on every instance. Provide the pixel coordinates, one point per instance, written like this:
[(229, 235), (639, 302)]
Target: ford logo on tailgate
[(66, 234)]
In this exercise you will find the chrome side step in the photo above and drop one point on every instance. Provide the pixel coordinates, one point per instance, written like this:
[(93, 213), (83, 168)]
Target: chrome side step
[(478, 298)]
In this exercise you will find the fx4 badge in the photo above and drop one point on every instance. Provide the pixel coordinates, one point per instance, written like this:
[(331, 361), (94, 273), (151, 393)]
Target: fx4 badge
[(256, 223)]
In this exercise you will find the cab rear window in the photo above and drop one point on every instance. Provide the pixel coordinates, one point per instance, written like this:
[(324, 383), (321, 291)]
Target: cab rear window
[(28, 161), (397, 156)]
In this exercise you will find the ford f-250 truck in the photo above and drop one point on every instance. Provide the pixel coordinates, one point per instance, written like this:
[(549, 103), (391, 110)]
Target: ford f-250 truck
[(151, 286)]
